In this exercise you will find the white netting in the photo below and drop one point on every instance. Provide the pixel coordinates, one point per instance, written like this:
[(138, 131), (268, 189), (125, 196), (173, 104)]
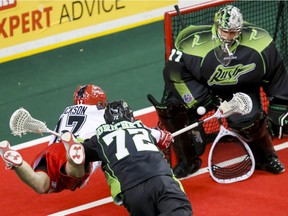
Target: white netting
[(21, 122)]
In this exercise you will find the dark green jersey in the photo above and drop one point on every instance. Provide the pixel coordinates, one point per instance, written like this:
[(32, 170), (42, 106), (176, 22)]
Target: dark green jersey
[(128, 153), (193, 70)]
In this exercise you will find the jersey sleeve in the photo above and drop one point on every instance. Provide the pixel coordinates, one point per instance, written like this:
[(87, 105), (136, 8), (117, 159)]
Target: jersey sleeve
[(184, 85), (90, 148)]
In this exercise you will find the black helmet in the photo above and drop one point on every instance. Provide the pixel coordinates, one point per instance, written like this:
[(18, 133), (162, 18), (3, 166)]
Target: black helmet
[(117, 111)]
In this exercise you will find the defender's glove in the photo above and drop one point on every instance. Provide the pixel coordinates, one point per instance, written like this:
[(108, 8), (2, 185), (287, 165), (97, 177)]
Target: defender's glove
[(165, 139)]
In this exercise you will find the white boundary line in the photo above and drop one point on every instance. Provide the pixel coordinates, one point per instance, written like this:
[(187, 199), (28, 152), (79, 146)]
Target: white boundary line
[(83, 207)]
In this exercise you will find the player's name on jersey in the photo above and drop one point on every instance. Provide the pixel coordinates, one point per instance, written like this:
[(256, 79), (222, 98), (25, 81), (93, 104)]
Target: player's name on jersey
[(79, 110), (120, 125)]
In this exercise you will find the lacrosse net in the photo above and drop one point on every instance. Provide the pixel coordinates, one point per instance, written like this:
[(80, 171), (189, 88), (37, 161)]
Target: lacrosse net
[(270, 15)]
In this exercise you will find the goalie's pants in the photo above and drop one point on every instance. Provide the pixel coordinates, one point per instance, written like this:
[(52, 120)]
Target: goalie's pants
[(157, 196), (253, 128)]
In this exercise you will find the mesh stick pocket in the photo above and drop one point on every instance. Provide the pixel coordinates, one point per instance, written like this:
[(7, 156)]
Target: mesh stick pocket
[(21, 122), (230, 158)]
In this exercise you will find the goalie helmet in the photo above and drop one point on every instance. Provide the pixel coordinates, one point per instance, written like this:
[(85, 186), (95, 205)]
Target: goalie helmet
[(90, 95), (229, 19), (117, 111)]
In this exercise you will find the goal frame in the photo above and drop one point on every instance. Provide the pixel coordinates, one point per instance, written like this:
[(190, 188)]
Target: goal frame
[(169, 43)]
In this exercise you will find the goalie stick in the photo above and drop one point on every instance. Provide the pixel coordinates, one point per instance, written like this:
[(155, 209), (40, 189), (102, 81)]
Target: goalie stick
[(183, 25), (230, 158)]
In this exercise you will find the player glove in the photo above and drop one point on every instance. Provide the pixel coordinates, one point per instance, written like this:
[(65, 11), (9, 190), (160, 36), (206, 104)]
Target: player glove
[(165, 139)]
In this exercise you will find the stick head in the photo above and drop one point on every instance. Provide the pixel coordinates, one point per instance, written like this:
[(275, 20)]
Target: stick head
[(21, 122), (240, 103), (230, 158)]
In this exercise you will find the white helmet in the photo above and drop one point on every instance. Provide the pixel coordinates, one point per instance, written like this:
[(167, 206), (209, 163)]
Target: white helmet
[(229, 19), (229, 23)]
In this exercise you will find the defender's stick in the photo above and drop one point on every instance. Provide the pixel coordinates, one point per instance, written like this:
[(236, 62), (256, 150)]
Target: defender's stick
[(230, 158), (21, 122), (240, 103)]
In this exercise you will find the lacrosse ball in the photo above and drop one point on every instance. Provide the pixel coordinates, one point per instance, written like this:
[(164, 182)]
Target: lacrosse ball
[(201, 110)]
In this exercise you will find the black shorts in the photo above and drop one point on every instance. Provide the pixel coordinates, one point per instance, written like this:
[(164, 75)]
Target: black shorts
[(160, 195)]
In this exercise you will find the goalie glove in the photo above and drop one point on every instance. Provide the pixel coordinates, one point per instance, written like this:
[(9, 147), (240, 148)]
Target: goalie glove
[(165, 139), (278, 116)]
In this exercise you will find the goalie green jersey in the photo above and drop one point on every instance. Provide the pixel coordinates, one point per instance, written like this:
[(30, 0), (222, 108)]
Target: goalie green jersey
[(197, 65)]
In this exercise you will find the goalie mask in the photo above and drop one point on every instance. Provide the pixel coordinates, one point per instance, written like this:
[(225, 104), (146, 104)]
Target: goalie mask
[(229, 23), (90, 95), (117, 111)]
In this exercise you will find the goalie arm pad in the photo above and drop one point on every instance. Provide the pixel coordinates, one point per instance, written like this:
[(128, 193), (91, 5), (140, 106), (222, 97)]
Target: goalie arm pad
[(174, 116), (278, 117)]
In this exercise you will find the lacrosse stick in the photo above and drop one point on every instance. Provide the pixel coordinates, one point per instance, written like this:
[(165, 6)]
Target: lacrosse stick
[(21, 122), (240, 103), (230, 158), (183, 25)]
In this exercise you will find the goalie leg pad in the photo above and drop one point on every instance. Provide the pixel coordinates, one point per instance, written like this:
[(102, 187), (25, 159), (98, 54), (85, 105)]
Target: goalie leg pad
[(174, 116), (259, 139), (264, 149)]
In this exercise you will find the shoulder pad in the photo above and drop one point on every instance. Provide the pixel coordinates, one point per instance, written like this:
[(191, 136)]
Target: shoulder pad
[(255, 37), (195, 40)]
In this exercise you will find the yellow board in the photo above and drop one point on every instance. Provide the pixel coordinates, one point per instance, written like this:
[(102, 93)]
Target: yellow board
[(23, 21)]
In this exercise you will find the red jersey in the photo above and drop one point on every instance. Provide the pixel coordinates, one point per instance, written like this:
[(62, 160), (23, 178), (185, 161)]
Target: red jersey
[(56, 158)]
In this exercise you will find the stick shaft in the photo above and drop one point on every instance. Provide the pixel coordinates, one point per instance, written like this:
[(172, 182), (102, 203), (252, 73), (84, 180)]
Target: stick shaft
[(53, 133), (183, 25), (223, 111), (176, 133)]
